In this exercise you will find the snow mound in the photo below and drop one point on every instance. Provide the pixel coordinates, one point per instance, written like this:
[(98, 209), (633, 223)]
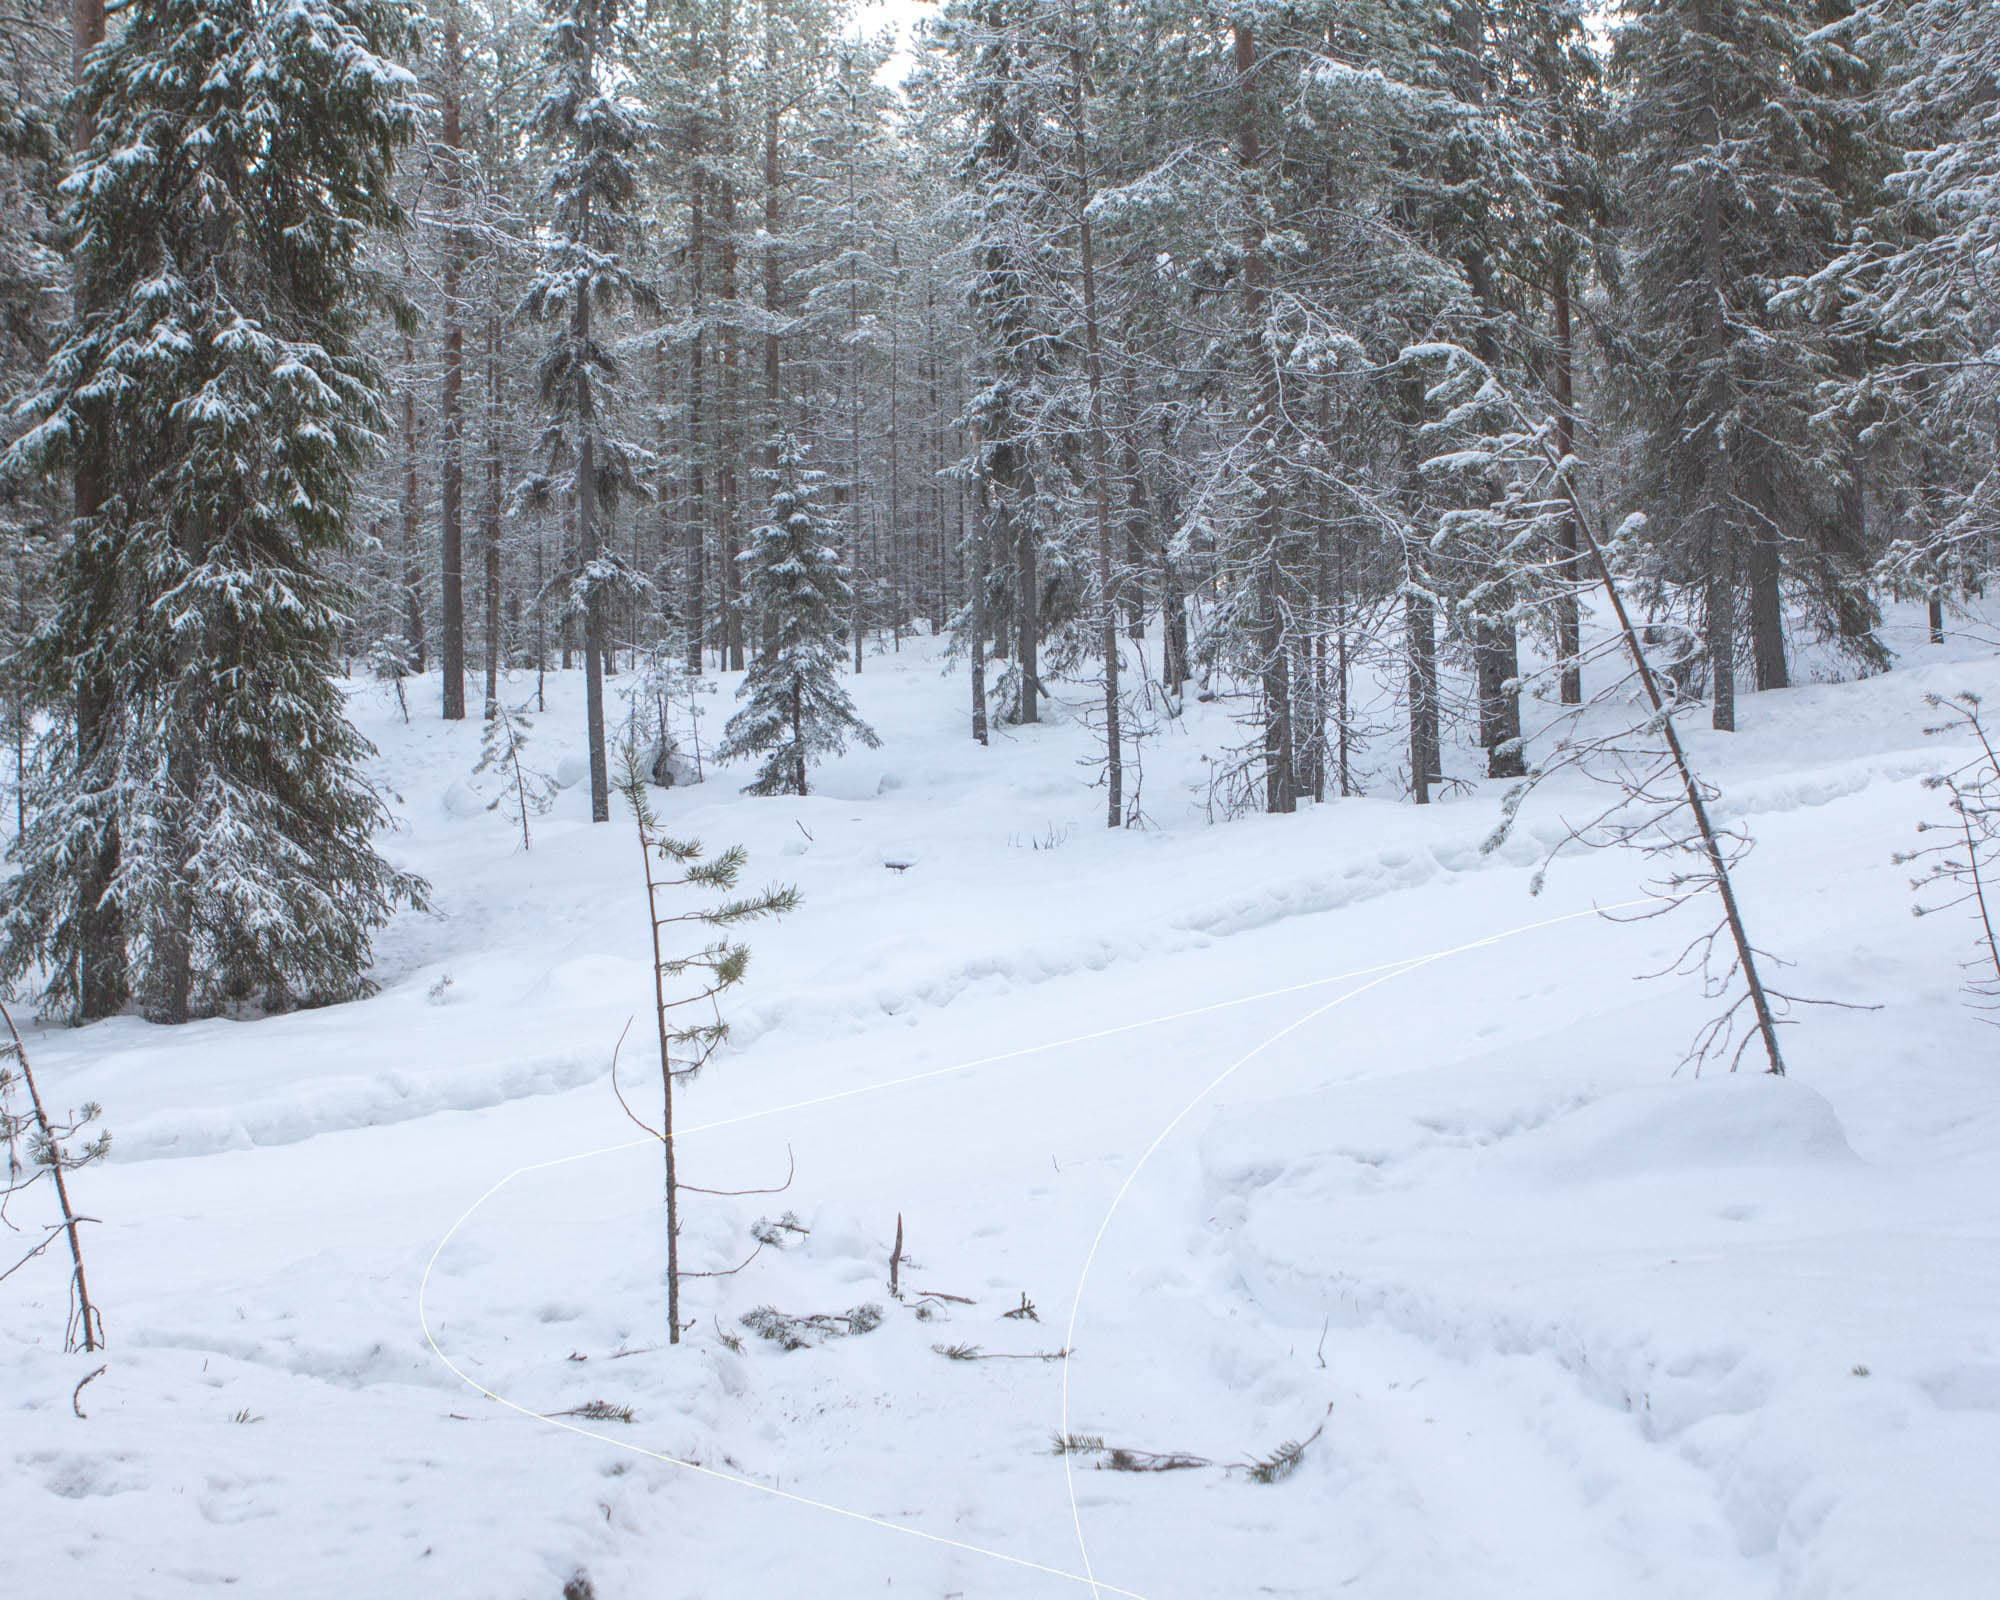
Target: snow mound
[(461, 800), (1692, 1124)]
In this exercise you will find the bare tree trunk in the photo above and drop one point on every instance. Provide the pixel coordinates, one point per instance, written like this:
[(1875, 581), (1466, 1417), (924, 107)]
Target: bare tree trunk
[(1746, 953), (1767, 608), (895, 562), (727, 484), (977, 605), (451, 485), (89, 1322), (695, 596), (1100, 450), (1273, 644), (1720, 488), (490, 515), (413, 571), (103, 977), (1569, 623), (589, 534), (1420, 624), (767, 641), (1027, 612)]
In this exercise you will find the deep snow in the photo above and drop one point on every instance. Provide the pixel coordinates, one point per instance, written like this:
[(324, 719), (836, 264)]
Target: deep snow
[(1568, 1324)]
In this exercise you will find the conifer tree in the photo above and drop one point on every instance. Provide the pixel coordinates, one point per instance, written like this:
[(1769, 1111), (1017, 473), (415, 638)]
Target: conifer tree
[(1728, 188), (593, 191), (797, 710), (1915, 284), (214, 380)]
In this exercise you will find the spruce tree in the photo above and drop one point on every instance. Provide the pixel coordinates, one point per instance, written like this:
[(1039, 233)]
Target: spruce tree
[(1915, 284), (797, 710), (1728, 190), (597, 132), (213, 378)]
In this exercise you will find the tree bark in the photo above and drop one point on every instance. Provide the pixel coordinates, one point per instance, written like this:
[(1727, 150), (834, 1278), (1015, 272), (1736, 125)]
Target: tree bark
[(1274, 662), (490, 516), (1767, 609), (1100, 449), (1569, 622), (413, 571), (451, 485), (1420, 625), (103, 975), (695, 594)]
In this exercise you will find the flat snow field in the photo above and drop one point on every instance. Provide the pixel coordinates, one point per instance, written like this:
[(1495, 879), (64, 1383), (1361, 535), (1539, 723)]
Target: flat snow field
[(1317, 1129)]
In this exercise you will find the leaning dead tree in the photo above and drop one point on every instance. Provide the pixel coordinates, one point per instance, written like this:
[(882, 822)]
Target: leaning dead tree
[(1533, 530), (49, 1159), (689, 982)]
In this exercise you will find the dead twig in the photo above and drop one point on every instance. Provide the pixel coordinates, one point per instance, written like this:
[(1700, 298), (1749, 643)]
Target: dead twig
[(76, 1393), (728, 1272), (85, 1323), (973, 1352)]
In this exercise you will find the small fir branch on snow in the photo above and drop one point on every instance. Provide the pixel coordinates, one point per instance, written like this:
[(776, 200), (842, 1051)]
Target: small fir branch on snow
[(789, 1332), (598, 1411)]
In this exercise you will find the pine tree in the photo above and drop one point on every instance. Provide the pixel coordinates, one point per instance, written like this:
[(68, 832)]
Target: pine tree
[(214, 379), (797, 710), (1915, 286), (593, 191), (1728, 187)]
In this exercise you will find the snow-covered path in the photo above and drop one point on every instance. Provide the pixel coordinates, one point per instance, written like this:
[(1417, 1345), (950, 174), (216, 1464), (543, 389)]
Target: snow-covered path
[(1572, 1325)]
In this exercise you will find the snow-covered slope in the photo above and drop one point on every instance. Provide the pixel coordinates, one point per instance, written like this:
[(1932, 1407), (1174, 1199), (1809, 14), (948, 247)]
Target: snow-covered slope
[(1556, 1321)]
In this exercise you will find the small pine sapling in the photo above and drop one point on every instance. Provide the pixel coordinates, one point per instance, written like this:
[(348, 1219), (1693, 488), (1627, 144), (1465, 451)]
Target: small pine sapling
[(49, 1156), (1957, 867), (659, 691), (697, 978), (390, 661), (500, 747), (797, 711)]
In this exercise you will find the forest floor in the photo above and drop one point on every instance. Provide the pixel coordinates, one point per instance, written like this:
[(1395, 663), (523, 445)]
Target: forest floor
[(1557, 1320)]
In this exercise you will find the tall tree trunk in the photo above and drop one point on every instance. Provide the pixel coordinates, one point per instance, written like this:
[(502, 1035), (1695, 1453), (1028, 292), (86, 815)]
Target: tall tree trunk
[(589, 534), (413, 570), (1100, 449), (490, 513), (1767, 607), (1569, 622), (1027, 610), (1720, 487), (855, 498), (773, 423), (1420, 624), (895, 457), (728, 489), (977, 605), (1496, 646), (1273, 644), (730, 456), (451, 485), (695, 594), (103, 976)]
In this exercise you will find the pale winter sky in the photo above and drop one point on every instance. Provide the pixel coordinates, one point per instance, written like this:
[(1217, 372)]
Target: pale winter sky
[(904, 14)]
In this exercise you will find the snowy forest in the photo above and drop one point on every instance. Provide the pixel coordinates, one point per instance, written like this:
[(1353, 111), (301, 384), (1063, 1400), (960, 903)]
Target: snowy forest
[(1064, 523)]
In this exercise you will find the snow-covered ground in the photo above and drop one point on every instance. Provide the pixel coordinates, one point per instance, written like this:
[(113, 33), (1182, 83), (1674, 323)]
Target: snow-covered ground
[(1557, 1321)]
